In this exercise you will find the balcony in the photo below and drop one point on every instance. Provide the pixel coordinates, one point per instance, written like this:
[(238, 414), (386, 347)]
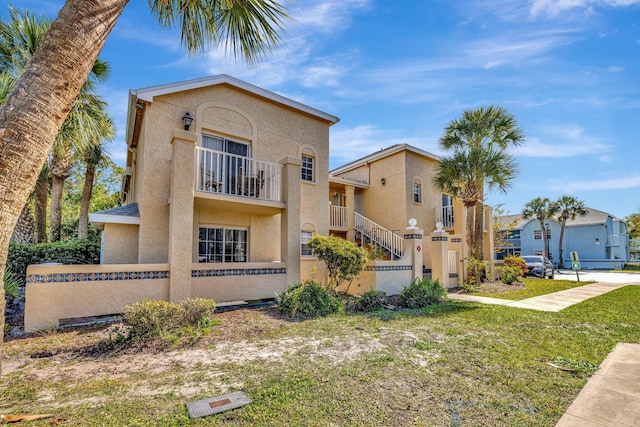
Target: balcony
[(445, 216), (338, 219), (227, 174)]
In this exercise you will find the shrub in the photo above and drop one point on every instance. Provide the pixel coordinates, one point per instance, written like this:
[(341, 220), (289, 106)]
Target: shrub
[(518, 262), (344, 259), (632, 267), (421, 293), (11, 284), (153, 319), (510, 274), (307, 299), (370, 301), (476, 273), (20, 255)]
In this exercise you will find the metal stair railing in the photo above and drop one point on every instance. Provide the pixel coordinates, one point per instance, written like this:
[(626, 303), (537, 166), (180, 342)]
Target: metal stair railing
[(379, 235)]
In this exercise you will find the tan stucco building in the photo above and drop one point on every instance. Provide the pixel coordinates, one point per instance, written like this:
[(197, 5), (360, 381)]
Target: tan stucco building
[(225, 183), (224, 201)]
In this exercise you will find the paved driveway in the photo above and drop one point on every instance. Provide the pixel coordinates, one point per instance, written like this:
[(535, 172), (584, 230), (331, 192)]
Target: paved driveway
[(598, 276)]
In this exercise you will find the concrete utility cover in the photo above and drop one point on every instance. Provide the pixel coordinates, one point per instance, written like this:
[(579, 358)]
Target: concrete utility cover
[(215, 405)]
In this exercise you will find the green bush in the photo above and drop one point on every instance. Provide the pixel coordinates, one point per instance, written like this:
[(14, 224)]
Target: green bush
[(153, 319), (344, 259), (11, 284), (20, 255), (370, 301), (510, 274), (518, 262), (307, 299), (632, 267), (421, 293)]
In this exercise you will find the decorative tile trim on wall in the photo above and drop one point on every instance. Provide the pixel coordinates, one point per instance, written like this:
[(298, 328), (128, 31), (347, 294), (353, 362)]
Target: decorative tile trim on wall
[(413, 236), (388, 267), (238, 272), (456, 240), (96, 277), (439, 239)]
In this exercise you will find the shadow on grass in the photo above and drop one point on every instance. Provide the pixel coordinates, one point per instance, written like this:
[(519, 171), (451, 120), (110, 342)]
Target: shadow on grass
[(441, 309)]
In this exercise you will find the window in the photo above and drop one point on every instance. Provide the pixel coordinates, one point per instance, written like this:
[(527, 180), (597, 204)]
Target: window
[(305, 249), (218, 244), (537, 234), (307, 168), (417, 192)]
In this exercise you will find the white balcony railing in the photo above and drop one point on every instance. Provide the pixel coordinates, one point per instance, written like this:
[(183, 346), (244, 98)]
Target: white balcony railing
[(445, 216), (223, 173), (338, 217)]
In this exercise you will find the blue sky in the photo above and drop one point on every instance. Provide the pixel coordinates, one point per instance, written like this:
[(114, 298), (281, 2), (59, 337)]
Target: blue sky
[(398, 72)]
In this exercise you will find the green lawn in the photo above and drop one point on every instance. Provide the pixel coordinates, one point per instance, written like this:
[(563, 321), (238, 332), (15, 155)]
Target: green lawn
[(454, 364), (534, 288)]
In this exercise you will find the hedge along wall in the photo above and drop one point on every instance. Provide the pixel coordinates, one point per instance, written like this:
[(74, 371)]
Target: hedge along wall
[(67, 252)]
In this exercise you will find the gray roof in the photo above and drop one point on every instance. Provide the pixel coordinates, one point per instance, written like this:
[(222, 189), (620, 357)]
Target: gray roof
[(125, 210)]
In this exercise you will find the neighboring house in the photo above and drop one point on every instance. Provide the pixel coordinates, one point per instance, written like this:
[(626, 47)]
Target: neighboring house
[(373, 198), (601, 239)]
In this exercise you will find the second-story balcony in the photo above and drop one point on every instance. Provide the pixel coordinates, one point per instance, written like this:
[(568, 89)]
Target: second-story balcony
[(445, 216), (223, 173)]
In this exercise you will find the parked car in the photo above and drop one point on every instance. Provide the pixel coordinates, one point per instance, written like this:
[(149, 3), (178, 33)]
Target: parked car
[(539, 266)]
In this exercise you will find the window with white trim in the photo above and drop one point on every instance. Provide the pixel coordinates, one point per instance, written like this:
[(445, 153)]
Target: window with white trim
[(537, 234), (417, 191), (305, 249), (219, 244), (307, 168)]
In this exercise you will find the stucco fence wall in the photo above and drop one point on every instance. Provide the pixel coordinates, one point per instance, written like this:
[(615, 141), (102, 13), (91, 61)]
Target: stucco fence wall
[(55, 292)]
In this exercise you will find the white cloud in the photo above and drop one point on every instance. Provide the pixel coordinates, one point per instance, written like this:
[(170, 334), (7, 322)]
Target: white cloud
[(565, 141), (605, 184), (353, 143), (555, 7)]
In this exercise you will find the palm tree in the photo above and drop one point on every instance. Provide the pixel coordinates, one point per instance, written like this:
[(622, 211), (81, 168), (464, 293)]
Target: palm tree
[(541, 208), (459, 175), (94, 156), (480, 137), (87, 124), (35, 111), (567, 207)]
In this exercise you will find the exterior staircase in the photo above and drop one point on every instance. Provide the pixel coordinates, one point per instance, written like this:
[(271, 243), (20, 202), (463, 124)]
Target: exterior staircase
[(376, 234)]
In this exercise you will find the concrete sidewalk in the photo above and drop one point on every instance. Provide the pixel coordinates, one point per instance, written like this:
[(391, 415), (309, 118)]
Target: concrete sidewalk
[(612, 396), (550, 302)]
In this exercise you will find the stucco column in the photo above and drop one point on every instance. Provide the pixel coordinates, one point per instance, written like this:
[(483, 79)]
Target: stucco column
[(181, 214), (488, 242), (290, 218), (414, 247), (350, 200), (440, 256)]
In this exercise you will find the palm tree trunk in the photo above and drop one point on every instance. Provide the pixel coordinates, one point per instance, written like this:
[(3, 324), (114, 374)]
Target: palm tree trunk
[(60, 171), (33, 114), (560, 263), (544, 238), (23, 231), (479, 231), (87, 190), (41, 196)]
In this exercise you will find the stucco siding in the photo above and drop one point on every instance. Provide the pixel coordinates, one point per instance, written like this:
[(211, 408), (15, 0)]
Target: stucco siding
[(120, 244)]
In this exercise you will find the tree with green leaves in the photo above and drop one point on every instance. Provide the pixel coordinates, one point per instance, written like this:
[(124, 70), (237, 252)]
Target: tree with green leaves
[(476, 157), (633, 223), (541, 208), (567, 207), (36, 109), (344, 260)]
